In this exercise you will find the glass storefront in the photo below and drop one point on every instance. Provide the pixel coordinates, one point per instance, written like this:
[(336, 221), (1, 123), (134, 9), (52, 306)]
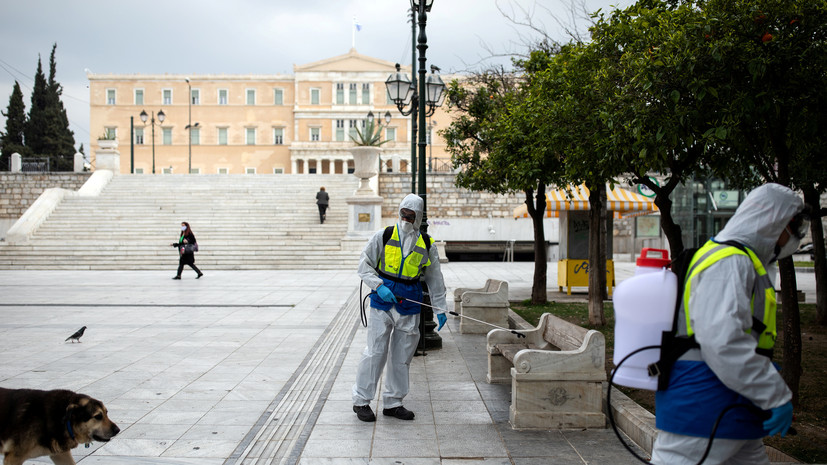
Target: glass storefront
[(702, 208)]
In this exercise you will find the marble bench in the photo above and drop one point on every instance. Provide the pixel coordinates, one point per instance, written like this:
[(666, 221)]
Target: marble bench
[(556, 374)]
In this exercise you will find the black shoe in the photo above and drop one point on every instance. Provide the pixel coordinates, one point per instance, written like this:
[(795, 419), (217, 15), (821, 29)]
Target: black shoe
[(364, 412), (199, 275), (177, 277), (399, 412)]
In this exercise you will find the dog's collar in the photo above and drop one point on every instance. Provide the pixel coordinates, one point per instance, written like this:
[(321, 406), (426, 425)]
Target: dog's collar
[(72, 432)]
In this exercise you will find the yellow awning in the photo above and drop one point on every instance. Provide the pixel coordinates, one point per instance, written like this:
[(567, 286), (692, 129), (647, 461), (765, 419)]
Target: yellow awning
[(622, 202)]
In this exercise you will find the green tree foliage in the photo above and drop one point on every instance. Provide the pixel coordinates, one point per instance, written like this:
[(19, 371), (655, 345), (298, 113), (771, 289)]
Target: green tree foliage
[(47, 129), (493, 142), (12, 140), (61, 139), (36, 125)]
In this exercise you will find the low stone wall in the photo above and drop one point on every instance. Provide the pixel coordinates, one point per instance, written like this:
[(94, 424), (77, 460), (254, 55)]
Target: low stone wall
[(449, 201), (18, 191)]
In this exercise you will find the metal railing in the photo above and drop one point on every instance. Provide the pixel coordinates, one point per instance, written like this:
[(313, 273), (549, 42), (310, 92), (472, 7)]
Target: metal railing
[(33, 164)]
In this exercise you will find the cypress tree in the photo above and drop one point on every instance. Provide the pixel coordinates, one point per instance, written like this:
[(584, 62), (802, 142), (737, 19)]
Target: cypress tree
[(61, 140), (36, 126), (11, 140)]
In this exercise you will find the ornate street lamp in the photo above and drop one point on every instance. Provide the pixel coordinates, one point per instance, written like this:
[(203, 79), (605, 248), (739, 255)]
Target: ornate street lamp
[(161, 117), (189, 127), (423, 102)]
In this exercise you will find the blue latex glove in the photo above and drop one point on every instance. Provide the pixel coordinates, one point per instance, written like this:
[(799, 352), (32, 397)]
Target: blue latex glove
[(386, 294), (442, 319), (780, 421)]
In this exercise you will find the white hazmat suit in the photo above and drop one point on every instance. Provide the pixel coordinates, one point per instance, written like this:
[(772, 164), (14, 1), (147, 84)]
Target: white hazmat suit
[(721, 317), (393, 336)]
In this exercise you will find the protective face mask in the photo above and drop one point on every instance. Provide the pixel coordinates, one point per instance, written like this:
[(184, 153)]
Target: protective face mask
[(789, 248), (183, 228), (406, 227)]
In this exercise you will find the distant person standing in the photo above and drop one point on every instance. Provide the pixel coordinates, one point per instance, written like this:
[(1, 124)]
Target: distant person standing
[(322, 200), (186, 246)]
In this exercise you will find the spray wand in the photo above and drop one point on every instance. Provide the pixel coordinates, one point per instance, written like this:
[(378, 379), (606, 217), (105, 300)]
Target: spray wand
[(519, 335)]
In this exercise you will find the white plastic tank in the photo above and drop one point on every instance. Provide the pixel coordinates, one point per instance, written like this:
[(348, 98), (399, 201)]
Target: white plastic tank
[(644, 307)]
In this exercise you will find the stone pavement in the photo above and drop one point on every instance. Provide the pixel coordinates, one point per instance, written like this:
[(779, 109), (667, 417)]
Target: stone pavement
[(255, 367)]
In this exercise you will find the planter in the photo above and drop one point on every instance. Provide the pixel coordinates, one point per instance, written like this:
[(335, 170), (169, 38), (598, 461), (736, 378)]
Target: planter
[(366, 166), (107, 144)]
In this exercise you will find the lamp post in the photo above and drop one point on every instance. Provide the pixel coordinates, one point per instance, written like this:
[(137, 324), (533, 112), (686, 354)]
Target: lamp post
[(161, 117), (423, 102), (189, 127)]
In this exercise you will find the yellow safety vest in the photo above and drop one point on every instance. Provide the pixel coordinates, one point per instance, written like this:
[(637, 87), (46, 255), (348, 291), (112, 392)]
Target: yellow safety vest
[(763, 294), (394, 266)]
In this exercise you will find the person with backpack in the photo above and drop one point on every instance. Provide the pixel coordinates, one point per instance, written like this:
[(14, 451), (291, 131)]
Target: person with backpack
[(393, 263), (727, 315)]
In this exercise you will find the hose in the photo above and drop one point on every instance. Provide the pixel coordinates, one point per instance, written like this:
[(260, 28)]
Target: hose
[(750, 407)]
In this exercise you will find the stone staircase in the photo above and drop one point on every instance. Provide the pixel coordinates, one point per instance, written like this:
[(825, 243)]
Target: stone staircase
[(242, 222)]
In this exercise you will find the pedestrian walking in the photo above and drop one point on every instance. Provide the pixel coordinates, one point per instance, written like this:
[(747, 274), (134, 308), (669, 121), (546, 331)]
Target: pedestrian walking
[(187, 246)]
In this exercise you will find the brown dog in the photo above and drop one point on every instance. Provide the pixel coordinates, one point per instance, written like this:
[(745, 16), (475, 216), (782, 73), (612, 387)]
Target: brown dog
[(34, 423)]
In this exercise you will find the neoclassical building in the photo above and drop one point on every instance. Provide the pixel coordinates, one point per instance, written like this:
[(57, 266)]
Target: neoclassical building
[(254, 124)]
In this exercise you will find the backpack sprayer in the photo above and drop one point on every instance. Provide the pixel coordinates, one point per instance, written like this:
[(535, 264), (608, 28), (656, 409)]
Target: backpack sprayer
[(645, 308)]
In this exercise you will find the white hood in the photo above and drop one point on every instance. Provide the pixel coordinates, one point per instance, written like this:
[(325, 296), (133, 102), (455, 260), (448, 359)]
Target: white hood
[(761, 218), (415, 203)]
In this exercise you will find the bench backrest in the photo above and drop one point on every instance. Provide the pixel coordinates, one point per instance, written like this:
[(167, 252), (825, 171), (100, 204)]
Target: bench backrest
[(562, 334)]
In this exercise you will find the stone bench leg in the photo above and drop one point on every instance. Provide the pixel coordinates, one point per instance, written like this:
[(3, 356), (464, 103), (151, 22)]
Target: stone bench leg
[(494, 315), (556, 404), (499, 369)]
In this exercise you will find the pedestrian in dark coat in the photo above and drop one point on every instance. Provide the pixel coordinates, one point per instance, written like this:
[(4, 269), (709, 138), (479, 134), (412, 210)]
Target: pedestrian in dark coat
[(186, 257), (322, 200)]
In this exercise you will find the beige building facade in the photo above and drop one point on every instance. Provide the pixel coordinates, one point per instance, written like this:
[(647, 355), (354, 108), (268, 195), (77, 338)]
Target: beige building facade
[(255, 124)]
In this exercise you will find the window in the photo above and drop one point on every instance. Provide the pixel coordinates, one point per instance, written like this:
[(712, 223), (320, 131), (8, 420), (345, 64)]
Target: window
[(222, 96), (278, 136), (139, 171), (250, 170), (278, 97), (352, 125), (251, 96), (340, 93), (365, 93), (110, 96), (139, 96), (196, 96), (315, 96), (250, 136), (195, 170), (352, 93), (315, 134), (167, 136), (278, 170), (111, 132), (139, 136), (222, 136), (166, 97), (223, 171), (390, 134), (195, 136), (340, 130)]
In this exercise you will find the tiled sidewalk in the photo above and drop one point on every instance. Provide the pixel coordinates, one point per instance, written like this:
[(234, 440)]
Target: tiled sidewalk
[(192, 371)]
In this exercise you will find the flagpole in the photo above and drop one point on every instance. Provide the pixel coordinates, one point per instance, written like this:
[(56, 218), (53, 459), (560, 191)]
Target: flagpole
[(353, 34)]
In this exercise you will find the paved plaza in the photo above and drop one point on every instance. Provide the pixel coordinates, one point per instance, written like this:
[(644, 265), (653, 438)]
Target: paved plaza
[(255, 367)]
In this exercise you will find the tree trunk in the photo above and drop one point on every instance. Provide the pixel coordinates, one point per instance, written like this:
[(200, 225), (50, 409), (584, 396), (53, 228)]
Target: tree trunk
[(596, 315), (812, 199), (537, 209), (671, 229), (791, 362), (604, 252)]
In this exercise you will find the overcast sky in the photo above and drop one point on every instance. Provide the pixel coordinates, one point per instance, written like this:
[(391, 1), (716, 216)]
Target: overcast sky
[(248, 36)]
